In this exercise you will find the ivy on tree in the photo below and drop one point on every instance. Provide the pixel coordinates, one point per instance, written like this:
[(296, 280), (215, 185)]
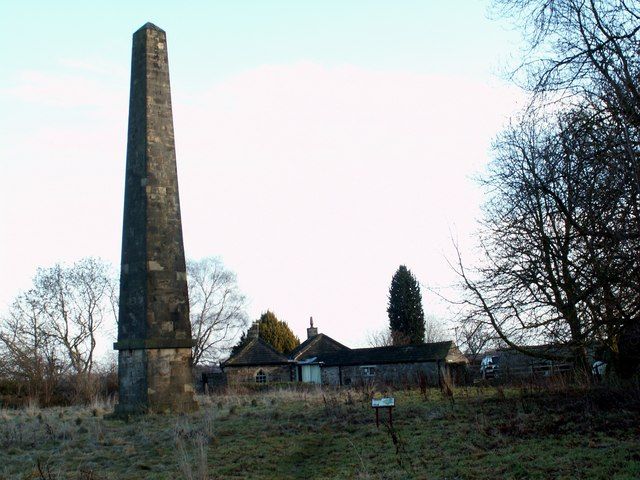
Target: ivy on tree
[(406, 317)]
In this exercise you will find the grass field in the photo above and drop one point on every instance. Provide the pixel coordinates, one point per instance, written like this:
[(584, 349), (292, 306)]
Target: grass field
[(483, 433)]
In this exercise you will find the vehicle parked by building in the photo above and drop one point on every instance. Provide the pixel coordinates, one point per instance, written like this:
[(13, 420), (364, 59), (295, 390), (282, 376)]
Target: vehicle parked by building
[(490, 367)]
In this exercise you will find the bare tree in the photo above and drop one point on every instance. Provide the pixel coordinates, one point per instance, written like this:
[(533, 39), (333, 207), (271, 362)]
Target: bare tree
[(380, 338), (52, 328), (579, 49), (553, 270), (584, 54), (217, 308), (561, 229), (474, 337), (434, 330), (75, 302), (30, 356), (529, 286)]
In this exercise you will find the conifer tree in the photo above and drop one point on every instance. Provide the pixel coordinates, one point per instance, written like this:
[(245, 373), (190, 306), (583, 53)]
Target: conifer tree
[(273, 331), (406, 317)]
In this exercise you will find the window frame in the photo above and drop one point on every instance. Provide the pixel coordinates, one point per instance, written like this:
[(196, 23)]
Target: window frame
[(261, 377), (368, 370)]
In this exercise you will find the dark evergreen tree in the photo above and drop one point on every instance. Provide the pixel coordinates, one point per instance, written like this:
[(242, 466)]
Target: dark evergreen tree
[(406, 317), (242, 341), (273, 331)]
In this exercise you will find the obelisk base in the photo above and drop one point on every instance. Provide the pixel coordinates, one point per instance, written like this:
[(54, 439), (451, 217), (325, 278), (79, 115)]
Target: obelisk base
[(156, 380)]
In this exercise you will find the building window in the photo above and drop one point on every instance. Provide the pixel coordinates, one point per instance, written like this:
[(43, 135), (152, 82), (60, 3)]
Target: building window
[(368, 371), (261, 377)]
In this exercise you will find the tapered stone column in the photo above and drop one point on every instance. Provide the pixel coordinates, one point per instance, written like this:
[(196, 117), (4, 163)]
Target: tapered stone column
[(154, 331)]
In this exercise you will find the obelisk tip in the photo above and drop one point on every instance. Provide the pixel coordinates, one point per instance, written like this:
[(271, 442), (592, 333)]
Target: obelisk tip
[(150, 26)]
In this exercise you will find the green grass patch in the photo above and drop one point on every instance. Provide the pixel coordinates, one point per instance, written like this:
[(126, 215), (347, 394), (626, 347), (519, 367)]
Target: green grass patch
[(484, 433)]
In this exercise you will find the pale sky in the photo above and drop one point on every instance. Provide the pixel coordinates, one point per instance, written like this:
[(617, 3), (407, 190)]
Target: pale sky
[(319, 144)]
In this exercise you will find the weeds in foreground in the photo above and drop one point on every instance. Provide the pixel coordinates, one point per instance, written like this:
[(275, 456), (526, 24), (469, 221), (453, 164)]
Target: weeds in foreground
[(44, 470), (489, 432), (447, 388), (423, 385), (192, 457), (363, 473), (402, 457)]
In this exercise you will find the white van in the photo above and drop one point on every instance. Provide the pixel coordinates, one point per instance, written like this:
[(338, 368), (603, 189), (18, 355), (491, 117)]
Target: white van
[(490, 366)]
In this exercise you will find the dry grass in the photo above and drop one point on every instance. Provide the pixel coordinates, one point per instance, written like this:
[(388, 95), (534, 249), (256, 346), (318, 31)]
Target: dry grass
[(487, 433)]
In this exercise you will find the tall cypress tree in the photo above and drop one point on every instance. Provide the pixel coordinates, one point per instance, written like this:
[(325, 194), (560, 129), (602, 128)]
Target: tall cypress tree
[(406, 317)]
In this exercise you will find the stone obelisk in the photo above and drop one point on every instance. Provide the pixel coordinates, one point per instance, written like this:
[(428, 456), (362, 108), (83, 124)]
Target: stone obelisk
[(154, 332)]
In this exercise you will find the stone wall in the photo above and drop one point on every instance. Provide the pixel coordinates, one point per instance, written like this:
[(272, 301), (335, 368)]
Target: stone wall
[(330, 375), (397, 373), (274, 373)]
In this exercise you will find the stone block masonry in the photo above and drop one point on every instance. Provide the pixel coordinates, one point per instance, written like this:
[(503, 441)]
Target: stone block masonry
[(398, 373), (273, 373), (154, 330)]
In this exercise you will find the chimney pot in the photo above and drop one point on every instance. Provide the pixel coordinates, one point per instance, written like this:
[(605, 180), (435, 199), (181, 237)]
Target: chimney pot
[(311, 331), (254, 331)]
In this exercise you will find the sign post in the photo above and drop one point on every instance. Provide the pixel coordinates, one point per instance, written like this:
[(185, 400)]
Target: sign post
[(389, 403)]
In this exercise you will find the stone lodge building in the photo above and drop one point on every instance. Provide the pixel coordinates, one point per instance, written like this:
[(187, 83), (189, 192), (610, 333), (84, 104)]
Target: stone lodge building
[(322, 360)]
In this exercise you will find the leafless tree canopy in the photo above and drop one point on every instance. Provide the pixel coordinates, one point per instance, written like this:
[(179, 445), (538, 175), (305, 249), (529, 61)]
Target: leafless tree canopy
[(51, 331), (560, 237), (579, 48), (380, 338), (474, 337), (52, 328), (217, 309), (75, 302), (28, 350), (433, 332)]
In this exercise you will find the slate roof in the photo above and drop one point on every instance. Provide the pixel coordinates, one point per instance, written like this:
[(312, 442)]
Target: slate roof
[(256, 352), (324, 349), (426, 352), (319, 346)]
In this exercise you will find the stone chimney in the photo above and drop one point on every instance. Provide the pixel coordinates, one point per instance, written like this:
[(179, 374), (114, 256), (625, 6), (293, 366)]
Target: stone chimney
[(254, 331), (311, 331)]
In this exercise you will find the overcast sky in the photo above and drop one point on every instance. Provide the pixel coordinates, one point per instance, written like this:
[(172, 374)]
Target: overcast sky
[(319, 144)]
